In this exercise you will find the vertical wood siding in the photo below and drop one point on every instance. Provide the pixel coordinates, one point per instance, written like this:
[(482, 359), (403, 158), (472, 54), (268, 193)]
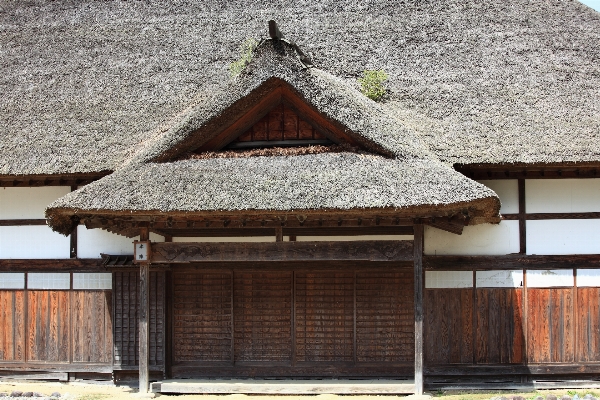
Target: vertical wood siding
[(588, 323), (550, 327), (448, 326), (499, 338), (12, 324), (48, 326), (92, 327)]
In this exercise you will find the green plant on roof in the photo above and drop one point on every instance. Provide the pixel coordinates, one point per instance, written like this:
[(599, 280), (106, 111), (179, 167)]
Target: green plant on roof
[(371, 84), (246, 49)]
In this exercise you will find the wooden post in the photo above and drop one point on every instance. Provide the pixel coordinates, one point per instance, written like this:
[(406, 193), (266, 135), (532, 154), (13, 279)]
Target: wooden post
[(418, 265), (143, 314)]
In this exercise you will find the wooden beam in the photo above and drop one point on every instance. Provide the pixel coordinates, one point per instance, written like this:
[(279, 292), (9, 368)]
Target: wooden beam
[(22, 222), (529, 171), (513, 369), (543, 216), (418, 267), (297, 231), (54, 265), (513, 261), (390, 250), (279, 234), (522, 222)]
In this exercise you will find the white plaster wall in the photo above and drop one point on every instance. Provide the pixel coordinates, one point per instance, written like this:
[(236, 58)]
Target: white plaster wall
[(92, 242), (28, 202), (448, 279), (588, 277), (484, 239), (563, 236), (562, 195), (226, 239), (352, 238), (508, 191), (550, 278), (499, 279), (32, 241)]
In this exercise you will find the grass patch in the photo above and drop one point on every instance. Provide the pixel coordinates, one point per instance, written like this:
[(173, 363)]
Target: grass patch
[(246, 49), (371, 84)]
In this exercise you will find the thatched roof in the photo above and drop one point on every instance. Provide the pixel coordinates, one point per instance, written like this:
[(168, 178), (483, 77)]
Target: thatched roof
[(85, 84), (329, 181)]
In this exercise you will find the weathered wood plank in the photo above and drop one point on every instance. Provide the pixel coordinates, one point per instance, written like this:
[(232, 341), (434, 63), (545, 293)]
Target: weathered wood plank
[(289, 251)]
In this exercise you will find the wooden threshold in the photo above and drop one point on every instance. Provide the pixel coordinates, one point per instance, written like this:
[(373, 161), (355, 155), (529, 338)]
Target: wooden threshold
[(287, 386)]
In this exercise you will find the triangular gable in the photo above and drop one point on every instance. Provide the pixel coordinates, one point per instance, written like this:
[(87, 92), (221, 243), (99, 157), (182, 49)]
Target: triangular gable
[(279, 119)]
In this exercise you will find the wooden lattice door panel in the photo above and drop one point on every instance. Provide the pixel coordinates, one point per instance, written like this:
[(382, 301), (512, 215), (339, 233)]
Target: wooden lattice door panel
[(324, 316), (126, 331), (385, 316), (202, 319), (263, 316)]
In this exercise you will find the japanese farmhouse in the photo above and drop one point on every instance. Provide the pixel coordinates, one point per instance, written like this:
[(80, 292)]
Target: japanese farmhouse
[(162, 219)]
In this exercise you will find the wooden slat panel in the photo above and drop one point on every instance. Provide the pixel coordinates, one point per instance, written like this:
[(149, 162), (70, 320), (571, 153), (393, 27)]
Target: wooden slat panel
[(48, 321), (324, 316), (12, 332), (91, 344), (202, 316), (448, 322), (499, 334), (385, 316), (276, 123), (550, 331), (262, 316), (126, 334)]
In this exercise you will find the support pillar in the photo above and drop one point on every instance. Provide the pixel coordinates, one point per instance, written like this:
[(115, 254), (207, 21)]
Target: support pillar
[(418, 266), (143, 315)]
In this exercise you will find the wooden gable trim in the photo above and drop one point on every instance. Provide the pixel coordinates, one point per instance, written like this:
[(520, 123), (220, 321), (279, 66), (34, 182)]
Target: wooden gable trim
[(282, 94)]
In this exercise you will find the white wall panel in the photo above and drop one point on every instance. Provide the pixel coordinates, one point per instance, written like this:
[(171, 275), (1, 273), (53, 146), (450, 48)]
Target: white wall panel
[(508, 191), (550, 278), (562, 195), (588, 277), (92, 280), (32, 241), (92, 242), (12, 280), (28, 202), (499, 279), (48, 280), (448, 279), (352, 238), (563, 236), (484, 239)]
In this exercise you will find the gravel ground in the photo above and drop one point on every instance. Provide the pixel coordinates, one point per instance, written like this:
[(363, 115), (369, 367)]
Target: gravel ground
[(93, 391)]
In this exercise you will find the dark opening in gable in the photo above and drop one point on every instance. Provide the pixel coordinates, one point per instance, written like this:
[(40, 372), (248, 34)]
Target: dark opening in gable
[(281, 127)]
